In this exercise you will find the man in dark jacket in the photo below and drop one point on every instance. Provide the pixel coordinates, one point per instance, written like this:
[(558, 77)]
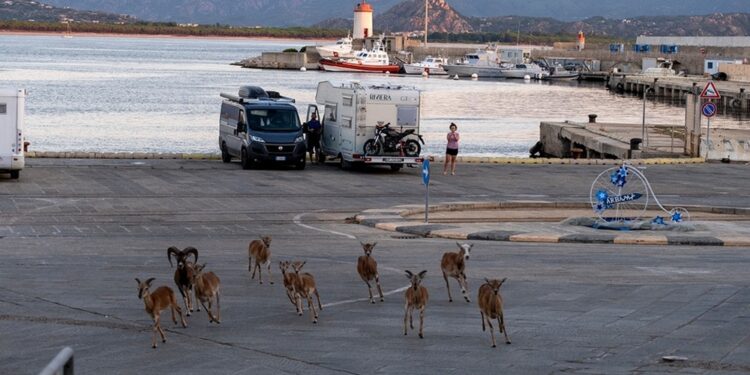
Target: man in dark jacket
[(314, 130)]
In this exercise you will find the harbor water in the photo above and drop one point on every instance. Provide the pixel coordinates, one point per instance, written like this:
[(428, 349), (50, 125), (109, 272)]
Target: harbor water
[(106, 93)]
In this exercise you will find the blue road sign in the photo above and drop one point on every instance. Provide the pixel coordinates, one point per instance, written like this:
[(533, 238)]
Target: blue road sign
[(709, 109), (426, 171)]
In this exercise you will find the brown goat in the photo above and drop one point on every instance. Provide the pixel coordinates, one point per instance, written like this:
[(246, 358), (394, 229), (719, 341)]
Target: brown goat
[(183, 275), (206, 290), (162, 298), (289, 278), (416, 298), (367, 268), (454, 265), (491, 307), (304, 287), (260, 250)]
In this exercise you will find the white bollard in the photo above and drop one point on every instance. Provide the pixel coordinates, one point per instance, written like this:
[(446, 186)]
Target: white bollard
[(303, 69), (474, 76)]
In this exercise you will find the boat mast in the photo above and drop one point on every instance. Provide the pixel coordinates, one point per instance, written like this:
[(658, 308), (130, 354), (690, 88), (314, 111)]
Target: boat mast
[(426, 7)]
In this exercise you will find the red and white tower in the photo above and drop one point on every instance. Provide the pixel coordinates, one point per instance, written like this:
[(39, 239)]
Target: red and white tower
[(362, 20)]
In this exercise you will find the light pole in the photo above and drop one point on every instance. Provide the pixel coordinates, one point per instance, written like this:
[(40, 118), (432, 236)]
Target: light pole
[(643, 125), (426, 20)]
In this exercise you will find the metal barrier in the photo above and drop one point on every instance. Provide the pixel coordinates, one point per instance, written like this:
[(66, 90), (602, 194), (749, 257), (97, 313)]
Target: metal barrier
[(62, 363)]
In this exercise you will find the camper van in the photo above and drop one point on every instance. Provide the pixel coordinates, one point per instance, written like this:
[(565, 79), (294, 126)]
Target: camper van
[(11, 131), (353, 113), (258, 126)]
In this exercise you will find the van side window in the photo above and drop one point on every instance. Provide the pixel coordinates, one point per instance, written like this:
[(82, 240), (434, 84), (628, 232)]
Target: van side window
[(348, 101), (3, 108), (241, 124)]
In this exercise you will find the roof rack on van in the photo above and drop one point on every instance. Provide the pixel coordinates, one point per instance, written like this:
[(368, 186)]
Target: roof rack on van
[(255, 93)]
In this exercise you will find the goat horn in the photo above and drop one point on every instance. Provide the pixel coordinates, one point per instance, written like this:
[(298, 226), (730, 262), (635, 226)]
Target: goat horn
[(191, 250), (170, 251), (148, 282)]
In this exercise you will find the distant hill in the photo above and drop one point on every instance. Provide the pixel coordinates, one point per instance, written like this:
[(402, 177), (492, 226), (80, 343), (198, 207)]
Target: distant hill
[(25, 10), (309, 12), (735, 24), (409, 16)]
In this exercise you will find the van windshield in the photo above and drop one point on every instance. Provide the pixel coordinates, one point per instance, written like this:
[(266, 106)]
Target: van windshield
[(273, 120)]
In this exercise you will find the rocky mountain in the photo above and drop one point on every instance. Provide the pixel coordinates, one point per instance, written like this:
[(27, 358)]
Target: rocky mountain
[(409, 16), (25, 10), (309, 12)]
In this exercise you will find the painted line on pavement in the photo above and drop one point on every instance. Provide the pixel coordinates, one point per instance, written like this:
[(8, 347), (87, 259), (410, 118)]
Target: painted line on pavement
[(298, 221), (365, 299)]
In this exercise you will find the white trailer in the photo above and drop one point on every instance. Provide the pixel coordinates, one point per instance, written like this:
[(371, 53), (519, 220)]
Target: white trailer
[(351, 113), (11, 131)]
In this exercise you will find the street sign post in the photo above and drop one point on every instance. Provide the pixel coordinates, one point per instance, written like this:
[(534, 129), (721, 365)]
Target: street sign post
[(426, 182), (708, 110)]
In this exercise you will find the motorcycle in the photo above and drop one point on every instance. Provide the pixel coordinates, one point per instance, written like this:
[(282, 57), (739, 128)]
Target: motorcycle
[(389, 140)]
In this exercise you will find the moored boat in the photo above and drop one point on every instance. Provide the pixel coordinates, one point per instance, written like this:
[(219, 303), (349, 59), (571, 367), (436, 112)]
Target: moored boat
[(375, 61), (342, 49), (484, 63), (520, 71), (430, 65)]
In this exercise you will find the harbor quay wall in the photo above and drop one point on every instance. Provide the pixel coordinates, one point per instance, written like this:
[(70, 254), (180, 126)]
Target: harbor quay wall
[(690, 58)]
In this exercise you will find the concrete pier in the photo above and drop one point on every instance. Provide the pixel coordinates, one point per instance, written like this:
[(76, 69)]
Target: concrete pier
[(733, 94), (610, 141)]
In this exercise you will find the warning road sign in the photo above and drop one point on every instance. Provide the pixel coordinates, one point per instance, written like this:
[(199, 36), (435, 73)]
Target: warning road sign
[(710, 91)]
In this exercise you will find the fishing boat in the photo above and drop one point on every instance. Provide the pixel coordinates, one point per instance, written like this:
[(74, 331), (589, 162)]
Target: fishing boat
[(364, 61), (342, 49), (430, 65)]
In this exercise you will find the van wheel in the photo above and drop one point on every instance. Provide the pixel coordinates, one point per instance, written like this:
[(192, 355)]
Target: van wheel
[(15, 174), (301, 164), (396, 167), (225, 157), (245, 160), (345, 165)]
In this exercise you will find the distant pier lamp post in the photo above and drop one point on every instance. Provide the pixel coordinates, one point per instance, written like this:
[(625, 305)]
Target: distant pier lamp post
[(426, 20), (646, 88)]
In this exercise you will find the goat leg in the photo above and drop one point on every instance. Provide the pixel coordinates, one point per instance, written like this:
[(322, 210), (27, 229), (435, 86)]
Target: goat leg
[(501, 321), (380, 291), (448, 285)]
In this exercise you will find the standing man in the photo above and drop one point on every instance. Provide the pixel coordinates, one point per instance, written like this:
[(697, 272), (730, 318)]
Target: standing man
[(313, 137)]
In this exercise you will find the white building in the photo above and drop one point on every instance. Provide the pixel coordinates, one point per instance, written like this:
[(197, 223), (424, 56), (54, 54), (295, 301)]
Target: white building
[(711, 66), (696, 41)]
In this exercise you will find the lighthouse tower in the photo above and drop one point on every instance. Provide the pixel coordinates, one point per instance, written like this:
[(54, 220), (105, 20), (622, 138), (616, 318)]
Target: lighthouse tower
[(362, 20)]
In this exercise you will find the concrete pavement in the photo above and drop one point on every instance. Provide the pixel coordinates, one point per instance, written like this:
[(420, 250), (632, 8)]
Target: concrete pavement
[(76, 232)]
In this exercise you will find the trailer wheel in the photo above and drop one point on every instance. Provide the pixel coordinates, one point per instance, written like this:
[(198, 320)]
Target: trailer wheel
[(225, 157), (245, 160), (412, 148), (15, 174), (396, 167)]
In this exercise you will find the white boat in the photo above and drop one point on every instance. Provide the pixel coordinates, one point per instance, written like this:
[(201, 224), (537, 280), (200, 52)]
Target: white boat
[(558, 72), (430, 65), (375, 61), (520, 71), (484, 63), (342, 49)]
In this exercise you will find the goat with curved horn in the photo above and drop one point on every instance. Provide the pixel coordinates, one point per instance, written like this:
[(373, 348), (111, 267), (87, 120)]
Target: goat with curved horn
[(183, 275)]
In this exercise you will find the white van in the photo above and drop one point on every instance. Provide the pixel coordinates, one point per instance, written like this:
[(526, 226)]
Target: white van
[(11, 131), (351, 114)]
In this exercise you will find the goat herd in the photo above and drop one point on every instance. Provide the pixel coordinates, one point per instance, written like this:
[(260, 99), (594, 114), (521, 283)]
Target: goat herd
[(190, 276)]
